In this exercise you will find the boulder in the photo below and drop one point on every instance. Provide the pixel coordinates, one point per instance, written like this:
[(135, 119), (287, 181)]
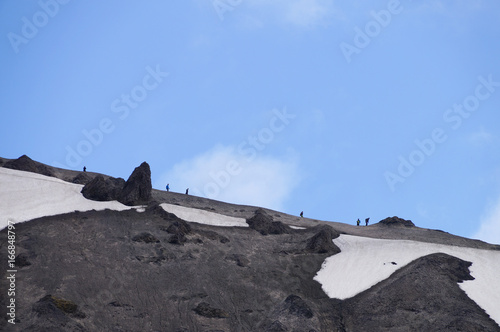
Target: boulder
[(56, 306), (179, 228), (396, 221), (82, 178), (204, 309), (322, 241), (100, 189), (264, 224), (137, 189)]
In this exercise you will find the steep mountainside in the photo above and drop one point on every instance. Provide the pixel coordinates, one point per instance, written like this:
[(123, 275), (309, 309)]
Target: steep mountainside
[(146, 269)]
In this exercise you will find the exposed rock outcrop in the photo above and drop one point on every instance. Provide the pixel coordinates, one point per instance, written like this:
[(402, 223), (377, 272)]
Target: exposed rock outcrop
[(101, 189), (145, 237), (22, 260), (137, 189), (25, 163), (322, 241), (82, 178), (265, 225), (204, 309), (51, 305), (396, 221)]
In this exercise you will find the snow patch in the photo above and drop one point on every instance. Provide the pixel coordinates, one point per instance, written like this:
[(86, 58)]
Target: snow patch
[(364, 262), (297, 227), (25, 196), (204, 217)]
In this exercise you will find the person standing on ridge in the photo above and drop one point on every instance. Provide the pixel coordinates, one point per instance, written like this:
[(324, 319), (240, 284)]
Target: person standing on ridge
[(302, 214), (187, 191), (84, 168), (168, 187), (357, 222), (367, 220)]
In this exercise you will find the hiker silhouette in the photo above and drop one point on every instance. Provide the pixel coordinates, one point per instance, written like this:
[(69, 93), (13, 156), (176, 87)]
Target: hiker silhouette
[(367, 220)]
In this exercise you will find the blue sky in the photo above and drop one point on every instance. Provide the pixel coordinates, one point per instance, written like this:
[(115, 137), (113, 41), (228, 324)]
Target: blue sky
[(343, 110)]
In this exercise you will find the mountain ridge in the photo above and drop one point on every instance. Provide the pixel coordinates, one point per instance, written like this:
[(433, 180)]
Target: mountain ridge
[(145, 269), (246, 211)]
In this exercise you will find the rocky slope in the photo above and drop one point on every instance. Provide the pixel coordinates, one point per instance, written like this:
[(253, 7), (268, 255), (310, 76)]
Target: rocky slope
[(152, 271)]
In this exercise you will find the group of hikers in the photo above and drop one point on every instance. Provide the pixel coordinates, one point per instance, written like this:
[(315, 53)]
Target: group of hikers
[(367, 220), (168, 188), (301, 212)]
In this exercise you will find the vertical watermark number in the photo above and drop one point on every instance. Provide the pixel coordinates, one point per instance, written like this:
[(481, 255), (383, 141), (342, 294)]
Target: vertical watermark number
[(11, 272)]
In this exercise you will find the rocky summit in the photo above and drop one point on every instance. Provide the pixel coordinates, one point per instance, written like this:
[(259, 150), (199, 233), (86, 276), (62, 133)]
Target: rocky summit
[(137, 266)]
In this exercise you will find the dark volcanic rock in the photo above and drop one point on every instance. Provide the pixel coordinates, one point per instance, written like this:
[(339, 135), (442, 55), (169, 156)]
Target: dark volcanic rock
[(179, 229), (239, 259), (395, 221), (82, 178), (22, 260), (214, 236), (137, 189), (296, 306), (322, 241), (155, 208), (177, 239), (51, 305), (100, 189), (54, 314), (264, 224), (204, 309), (25, 163), (145, 237)]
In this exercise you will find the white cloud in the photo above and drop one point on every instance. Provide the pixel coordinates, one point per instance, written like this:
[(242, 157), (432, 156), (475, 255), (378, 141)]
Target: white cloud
[(242, 175), (481, 137), (489, 229), (307, 12), (303, 13)]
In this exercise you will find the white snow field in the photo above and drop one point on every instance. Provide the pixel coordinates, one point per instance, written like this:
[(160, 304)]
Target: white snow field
[(204, 217), (363, 262), (25, 196)]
